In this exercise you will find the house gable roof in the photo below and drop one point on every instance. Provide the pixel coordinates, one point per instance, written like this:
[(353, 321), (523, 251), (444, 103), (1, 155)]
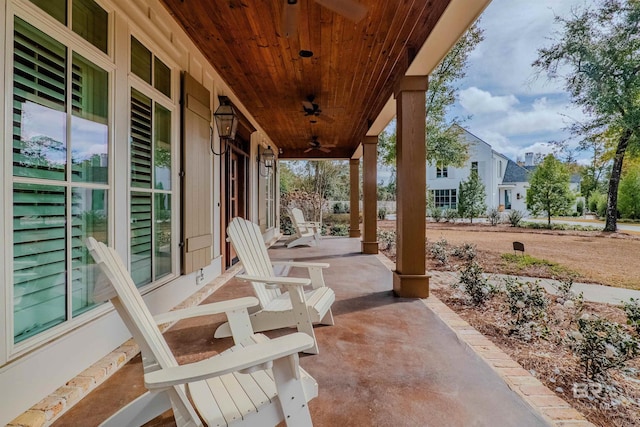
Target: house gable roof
[(515, 173)]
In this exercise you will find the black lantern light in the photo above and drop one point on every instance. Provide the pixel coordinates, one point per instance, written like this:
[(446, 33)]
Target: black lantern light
[(226, 119)]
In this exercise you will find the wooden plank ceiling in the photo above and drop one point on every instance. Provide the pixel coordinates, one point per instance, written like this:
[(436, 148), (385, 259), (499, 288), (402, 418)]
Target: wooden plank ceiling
[(351, 74)]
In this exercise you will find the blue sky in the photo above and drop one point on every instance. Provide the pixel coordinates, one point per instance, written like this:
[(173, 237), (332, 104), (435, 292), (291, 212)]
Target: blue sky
[(510, 108)]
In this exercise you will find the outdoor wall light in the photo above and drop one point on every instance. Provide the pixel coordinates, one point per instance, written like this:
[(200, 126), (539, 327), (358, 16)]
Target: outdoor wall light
[(266, 158), (226, 119), (227, 123)]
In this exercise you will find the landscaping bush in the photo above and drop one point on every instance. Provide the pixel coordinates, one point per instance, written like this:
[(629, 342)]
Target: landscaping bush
[(493, 215), (632, 310), (580, 207), (476, 286), (465, 252), (601, 345), (528, 303), (340, 230), (598, 203), (436, 214), (514, 218), (340, 208), (382, 213), (387, 240), (440, 251), (451, 215)]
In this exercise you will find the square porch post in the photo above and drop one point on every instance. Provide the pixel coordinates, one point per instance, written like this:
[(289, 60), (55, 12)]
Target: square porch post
[(354, 197), (409, 279), (370, 195)]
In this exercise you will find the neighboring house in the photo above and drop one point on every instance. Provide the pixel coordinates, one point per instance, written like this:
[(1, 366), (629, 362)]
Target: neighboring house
[(505, 181)]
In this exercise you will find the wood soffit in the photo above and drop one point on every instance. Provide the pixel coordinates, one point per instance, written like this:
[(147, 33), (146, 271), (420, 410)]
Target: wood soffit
[(352, 73)]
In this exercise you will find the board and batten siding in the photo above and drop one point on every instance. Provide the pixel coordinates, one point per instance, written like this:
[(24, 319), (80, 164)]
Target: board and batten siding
[(196, 182)]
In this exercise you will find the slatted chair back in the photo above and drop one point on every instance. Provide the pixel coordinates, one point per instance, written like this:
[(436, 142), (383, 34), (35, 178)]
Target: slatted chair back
[(299, 223), (118, 287), (246, 238)]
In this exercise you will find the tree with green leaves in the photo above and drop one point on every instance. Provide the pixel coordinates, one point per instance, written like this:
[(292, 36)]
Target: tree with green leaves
[(598, 57), (549, 190), (471, 198), (443, 142), (629, 192)]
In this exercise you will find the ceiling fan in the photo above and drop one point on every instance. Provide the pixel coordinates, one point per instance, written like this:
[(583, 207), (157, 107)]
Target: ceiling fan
[(311, 108), (350, 9), (314, 144)]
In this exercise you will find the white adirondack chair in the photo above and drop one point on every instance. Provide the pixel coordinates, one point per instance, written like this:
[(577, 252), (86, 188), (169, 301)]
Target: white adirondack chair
[(295, 307), (257, 382), (307, 232)]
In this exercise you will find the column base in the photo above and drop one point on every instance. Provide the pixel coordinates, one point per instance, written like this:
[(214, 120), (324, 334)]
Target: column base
[(354, 232), (369, 247), (411, 285)]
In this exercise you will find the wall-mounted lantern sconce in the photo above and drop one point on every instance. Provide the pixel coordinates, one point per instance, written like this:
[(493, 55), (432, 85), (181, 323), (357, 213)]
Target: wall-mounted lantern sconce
[(267, 159), (226, 120)]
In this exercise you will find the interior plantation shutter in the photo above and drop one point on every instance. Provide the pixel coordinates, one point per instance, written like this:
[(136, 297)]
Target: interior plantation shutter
[(197, 236)]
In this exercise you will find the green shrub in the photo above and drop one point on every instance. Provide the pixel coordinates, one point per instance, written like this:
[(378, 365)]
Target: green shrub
[(436, 214), (493, 215), (382, 213), (580, 207), (528, 302), (465, 252), (514, 218), (598, 203), (475, 285), (387, 240), (601, 345), (339, 230), (340, 208), (440, 251), (451, 215), (632, 309)]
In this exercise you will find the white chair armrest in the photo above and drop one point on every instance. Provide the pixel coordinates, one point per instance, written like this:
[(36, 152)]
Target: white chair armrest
[(301, 264), (245, 358), (297, 281), (206, 309)]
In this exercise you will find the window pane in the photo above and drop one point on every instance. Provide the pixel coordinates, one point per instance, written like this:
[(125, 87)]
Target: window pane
[(163, 234), (140, 140), (39, 120), (90, 21), (89, 218), (39, 262), (141, 238), (162, 77), (56, 8), (89, 130), (140, 60), (162, 160)]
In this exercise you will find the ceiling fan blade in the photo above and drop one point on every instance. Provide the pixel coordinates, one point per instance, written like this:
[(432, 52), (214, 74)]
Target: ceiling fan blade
[(350, 9), (308, 149), (307, 105), (290, 17), (324, 150)]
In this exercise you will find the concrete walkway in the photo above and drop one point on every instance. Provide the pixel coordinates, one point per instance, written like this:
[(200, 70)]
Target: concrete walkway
[(387, 361), (591, 292)]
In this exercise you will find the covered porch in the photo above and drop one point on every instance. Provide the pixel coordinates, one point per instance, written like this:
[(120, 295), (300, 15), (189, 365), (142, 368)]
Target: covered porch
[(387, 361)]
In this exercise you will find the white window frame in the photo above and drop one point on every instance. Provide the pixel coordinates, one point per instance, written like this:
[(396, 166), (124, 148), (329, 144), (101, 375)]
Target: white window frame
[(442, 170), (172, 104), (33, 15)]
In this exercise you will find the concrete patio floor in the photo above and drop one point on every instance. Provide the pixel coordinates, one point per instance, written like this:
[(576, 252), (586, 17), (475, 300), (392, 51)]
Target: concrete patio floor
[(387, 361)]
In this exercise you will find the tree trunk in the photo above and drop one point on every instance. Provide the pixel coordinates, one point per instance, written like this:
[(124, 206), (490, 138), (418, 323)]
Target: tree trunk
[(614, 181), (549, 218)]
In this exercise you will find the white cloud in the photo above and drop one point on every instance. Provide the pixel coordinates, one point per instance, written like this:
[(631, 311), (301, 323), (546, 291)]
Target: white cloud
[(478, 101)]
